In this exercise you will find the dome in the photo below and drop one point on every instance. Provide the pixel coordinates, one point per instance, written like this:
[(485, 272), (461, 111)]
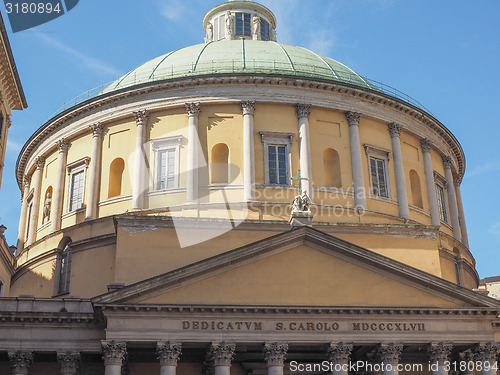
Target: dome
[(240, 57)]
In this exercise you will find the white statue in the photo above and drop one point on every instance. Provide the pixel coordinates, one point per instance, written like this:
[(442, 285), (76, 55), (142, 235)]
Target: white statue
[(46, 207), (301, 203), (210, 33), (229, 24), (256, 27)]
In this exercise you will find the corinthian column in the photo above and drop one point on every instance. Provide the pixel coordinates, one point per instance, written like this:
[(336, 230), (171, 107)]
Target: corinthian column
[(390, 354), (222, 354), (461, 214), (452, 199), (439, 353), (113, 354), (57, 201), (193, 110), (20, 362), (24, 210), (395, 131), (69, 363), (429, 180), (275, 354), (356, 163), (302, 111), (339, 354), (141, 119), (37, 185), (486, 353), (248, 108), (94, 171), (168, 354)]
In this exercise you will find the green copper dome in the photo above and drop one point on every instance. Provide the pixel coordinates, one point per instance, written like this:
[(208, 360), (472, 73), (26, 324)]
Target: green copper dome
[(240, 57)]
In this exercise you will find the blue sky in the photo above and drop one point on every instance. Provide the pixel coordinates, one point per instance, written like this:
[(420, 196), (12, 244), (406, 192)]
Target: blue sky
[(443, 53)]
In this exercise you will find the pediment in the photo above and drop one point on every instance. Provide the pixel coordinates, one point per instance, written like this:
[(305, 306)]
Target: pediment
[(301, 267)]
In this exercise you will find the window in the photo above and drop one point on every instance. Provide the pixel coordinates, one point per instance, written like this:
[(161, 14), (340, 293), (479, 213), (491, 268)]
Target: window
[(278, 170), (277, 159), (441, 198), (416, 192), (64, 270), (76, 188), (166, 156), (331, 168), (264, 29), (378, 177), (220, 27), (378, 161), (243, 24), (115, 177), (29, 199), (219, 166)]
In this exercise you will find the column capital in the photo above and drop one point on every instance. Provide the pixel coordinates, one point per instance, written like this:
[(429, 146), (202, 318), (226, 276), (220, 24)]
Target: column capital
[(457, 181), (193, 109), (26, 180), (466, 356), (339, 352), (353, 117), (20, 362), (395, 129), (63, 145), (113, 352), (275, 353), (302, 110), (68, 362), (97, 129), (168, 353), (8, 121), (222, 353), (141, 117), (40, 162), (447, 162), (486, 352), (390, 353), (248, 107), (439, 351), (426, 144)]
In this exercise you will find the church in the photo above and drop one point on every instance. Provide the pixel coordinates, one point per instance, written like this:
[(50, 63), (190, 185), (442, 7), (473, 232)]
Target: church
[(243, 207)]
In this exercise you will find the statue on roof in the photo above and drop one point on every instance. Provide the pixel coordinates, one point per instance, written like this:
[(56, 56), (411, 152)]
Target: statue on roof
[(229, 25), (301, 203), (210, 33), (256, 27)]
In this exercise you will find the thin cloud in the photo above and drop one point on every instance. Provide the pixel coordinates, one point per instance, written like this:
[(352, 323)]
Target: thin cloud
[(87, 61), (482, 169), (495, 229), (173, 10)]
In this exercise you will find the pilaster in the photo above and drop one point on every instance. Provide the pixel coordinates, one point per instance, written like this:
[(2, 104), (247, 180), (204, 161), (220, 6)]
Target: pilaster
[(97, 130), (193, 111), (430, 182), (57, 200), (356, 162), (302, 111), (395, 131), (248, 108), (141, 119), (452, 198)]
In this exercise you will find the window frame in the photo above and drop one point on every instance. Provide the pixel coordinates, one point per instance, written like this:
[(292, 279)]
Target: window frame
[(29, 212), (219, 27), (78, 166), (243, 20), (164, 144), (270, 138), (379, 153), (440, 182)]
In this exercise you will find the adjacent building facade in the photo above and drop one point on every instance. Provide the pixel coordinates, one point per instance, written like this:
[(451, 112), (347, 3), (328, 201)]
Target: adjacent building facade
[(154, 234)]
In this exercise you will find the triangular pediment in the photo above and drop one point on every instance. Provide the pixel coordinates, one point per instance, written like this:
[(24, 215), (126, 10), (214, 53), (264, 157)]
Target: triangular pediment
[(301, 267)]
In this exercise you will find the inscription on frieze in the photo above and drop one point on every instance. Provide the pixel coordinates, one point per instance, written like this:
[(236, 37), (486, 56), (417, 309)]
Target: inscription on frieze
[(306, 326)]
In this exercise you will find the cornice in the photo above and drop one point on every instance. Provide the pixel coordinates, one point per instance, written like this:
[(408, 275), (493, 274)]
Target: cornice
[(293, 310), (365, 94)]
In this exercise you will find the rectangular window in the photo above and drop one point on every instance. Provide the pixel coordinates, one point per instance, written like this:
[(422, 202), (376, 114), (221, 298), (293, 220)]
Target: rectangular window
[(243, 24), (220, 27), (166, 169), (441, 198), (77, 188), (378, 177), (264, 30), (278, 164)]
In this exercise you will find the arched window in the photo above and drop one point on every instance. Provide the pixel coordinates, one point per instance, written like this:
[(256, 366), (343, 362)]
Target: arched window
[(115, 178), (47, 204), (416, 192), (219, 166), (64, 267), (331, 166)]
